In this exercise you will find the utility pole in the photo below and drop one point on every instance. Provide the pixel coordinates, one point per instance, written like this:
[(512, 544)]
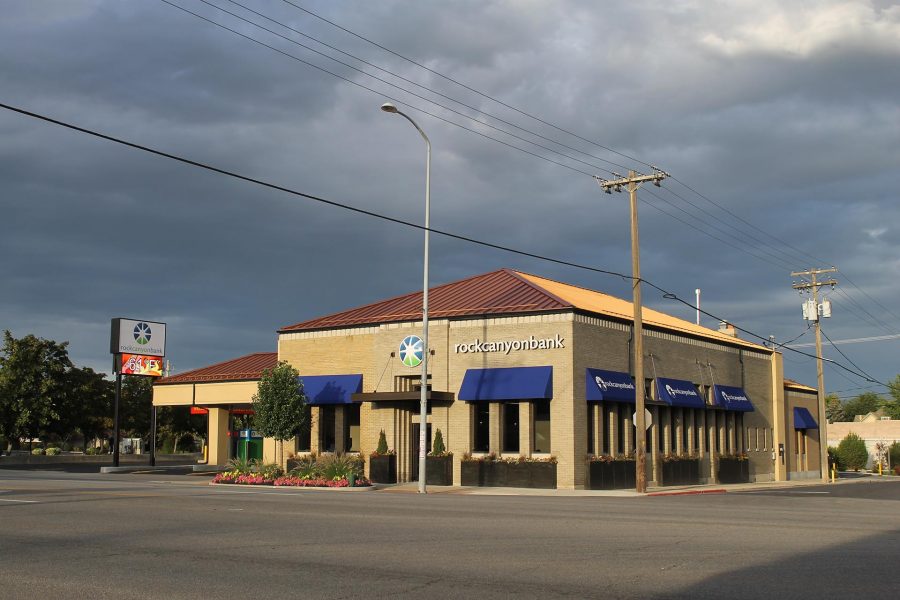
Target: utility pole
[(811, 312), (632, 183)]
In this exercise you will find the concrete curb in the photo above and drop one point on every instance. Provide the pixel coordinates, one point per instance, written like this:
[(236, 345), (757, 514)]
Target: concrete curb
[(689, 492), (144, 468)]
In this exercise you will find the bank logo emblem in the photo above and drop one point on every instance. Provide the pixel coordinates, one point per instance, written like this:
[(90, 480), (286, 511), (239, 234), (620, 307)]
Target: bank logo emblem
[(411, 351), (600, 383), (142, 333)]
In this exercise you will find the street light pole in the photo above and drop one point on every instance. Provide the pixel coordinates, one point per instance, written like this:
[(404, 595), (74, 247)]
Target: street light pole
[(632, 183), (423, 399)]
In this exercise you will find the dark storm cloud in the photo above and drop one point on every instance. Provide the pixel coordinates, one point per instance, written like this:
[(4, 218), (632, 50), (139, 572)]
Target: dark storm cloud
[(785, 115)]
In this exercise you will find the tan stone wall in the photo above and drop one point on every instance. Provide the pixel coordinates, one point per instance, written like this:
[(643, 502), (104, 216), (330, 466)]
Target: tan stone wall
[(871, 432), (588, 342), (205, 394), (807, 462)]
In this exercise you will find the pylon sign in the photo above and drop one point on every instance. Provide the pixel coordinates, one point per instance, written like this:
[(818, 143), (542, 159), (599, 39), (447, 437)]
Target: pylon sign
[(133, 336)]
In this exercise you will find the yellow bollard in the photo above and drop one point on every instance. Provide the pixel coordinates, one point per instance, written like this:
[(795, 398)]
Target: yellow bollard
[(880, 474)]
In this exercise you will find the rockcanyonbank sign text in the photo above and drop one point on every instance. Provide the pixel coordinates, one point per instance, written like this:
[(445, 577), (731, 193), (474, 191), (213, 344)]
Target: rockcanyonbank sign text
[(506, 347)]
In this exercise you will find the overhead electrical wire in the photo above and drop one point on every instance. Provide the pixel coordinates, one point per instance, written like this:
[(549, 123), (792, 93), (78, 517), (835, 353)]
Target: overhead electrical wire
[(847, 358), (375, 77), (665, 293), (782, 266), (575, 135)]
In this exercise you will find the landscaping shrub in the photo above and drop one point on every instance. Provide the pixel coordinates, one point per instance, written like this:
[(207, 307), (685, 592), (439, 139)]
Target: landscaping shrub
[(382, 447), (339, 466), (305, 467), (852, 452), (38, 451), (53, 451), (894, 454), (438, 448), (268, 471), (241, 466)]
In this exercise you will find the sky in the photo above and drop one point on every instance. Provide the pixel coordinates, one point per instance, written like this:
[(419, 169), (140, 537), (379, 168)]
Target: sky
[(778, 124)]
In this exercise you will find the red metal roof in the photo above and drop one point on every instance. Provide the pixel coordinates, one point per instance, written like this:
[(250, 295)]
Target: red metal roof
[(495, 293), (237, 369)]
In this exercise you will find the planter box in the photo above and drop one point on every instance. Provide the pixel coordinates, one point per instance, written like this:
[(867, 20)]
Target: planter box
[(383, 469), (439, 470), (681, 472), (613, 475), (502, 474), (733, 470)]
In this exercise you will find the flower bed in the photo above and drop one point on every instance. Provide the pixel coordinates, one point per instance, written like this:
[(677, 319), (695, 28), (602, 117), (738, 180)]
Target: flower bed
[(287, 481), (733, 469)]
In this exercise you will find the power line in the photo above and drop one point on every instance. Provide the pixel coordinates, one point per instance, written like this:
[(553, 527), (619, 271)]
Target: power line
[(385, 95), (847, 358), (464, 86), (665, 293), (874, 338), (573, 134)]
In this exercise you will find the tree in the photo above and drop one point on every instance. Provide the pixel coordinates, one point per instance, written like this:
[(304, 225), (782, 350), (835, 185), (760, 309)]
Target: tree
[(862, 405), (852, 452), (32, 378), (892, 407), (176, 422), (84, 406), (280, 405), (134, 406), (834, 410)]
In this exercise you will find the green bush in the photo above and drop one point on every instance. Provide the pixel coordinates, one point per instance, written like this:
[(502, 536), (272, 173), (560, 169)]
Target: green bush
[(894, 454), (438, 448), (53, 451), (852, 453), (242, 466), (267, 470), (38, 451), (339, 466), (382, 448), (305, 467)]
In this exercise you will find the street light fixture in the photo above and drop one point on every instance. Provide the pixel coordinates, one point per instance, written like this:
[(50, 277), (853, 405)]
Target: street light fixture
[(423, 401)]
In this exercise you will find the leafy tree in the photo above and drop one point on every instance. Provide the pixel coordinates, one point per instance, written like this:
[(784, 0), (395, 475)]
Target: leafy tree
[(84, 406), (862, 405), (834, 410), (134, 406), (32, 378), (280, 404), (438, 448), (852, 452), (177, 423), (894, 454)]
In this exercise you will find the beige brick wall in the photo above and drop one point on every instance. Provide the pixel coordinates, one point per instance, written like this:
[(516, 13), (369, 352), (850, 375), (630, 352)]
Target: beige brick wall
[(589, 342)]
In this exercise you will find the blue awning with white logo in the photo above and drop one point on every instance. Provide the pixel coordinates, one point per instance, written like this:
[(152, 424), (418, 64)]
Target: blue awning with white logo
[(330, 389), (508, 383), (677, 392), (803, 419), (731, 398), (611, 386)]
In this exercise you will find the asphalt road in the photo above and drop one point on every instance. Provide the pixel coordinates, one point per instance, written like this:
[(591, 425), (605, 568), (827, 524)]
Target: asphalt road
[(73, 535)]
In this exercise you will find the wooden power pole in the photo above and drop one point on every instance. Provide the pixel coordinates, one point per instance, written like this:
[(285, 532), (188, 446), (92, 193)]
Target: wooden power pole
[(812, 314), (632, 183)]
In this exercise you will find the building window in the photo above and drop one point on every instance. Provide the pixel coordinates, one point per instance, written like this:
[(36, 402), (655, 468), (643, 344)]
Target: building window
[(304, 443), (620, 431), (326, 428), (351, 427), (510, 421), (482, 440), (541, 410)]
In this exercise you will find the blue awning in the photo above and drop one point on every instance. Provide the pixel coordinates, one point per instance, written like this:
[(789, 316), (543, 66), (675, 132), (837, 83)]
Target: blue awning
[(677, 392), (509, 383), (611, 386), (731, 398), (330, 389), (803, 419)]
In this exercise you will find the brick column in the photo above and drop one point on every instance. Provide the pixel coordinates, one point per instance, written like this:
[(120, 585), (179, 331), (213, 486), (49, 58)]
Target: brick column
[(613, 430), (598, 427), (314, 434), (526, 428), (495, 419)]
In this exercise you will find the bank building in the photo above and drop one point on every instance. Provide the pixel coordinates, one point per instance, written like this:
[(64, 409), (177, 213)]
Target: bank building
[(530, 384)]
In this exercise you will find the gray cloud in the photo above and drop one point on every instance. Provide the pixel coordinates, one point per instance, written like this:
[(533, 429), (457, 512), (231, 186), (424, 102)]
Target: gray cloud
[(784, 115)]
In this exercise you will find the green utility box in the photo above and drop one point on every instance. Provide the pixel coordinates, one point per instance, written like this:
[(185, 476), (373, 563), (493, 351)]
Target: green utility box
[(250, 445)]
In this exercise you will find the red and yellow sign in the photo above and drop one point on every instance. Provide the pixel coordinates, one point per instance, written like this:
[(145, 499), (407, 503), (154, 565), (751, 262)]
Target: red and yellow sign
[(141, 364)]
